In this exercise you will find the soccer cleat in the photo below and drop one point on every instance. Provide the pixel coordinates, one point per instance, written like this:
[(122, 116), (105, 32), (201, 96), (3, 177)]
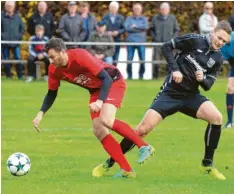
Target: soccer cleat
[(125, 174), (212, 172), (228, 125), (144, 153), (100, 170)]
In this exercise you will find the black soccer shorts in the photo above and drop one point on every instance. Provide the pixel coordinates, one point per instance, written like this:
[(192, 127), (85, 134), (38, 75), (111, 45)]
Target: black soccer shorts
[(166, 105)]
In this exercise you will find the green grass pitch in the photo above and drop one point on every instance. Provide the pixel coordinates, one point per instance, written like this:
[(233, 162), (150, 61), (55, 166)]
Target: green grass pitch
[(65, 152)]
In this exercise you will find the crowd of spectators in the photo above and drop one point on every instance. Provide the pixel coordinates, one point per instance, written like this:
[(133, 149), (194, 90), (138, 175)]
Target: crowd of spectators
[(82, 26)]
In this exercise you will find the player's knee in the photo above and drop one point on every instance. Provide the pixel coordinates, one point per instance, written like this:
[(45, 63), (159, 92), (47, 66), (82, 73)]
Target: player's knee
[(107, 122), (230, 89), (217, 119), (143, 129)]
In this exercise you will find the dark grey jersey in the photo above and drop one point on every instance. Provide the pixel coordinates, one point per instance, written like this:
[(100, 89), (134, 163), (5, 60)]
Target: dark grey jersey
[(192, 54)]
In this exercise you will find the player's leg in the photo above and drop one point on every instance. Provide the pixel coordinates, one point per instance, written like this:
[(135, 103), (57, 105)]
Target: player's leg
[(151, 119), (108, 119), (162, 106), (211, 114), (229, 98), (200, 107), (112, 147)]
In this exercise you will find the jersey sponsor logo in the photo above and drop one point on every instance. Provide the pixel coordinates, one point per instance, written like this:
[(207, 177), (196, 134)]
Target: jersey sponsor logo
[(210, 62), (82, 80), (111, 99), (193, 61)]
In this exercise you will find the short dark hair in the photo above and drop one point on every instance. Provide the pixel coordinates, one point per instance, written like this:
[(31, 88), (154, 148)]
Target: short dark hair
[(224, 25), (55, 43)]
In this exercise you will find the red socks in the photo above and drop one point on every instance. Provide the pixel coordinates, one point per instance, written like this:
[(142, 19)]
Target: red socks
[(126, 131), (114, 150)]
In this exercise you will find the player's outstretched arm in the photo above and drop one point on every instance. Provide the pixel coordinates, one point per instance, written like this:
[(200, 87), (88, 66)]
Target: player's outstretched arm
[(47, 103)]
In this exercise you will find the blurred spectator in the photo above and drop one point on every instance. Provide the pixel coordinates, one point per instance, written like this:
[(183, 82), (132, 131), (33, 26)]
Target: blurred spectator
[(37, 53), (12, 29), (231, 20), (43, 17), (89, 21), (207, 21), (71, 26), (102, 52), (164, 27), (136, 26), (115, 26)]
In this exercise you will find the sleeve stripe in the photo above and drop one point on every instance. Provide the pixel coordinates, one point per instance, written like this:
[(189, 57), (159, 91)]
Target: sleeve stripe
[(173, 43), (212, 76)]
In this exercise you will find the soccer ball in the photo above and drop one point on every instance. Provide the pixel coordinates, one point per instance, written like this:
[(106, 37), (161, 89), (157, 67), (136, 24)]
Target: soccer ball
[(18, 164)]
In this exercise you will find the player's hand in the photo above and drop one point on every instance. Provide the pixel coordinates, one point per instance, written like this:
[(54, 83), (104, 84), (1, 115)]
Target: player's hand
[(37, 120), (199, 76), (177, 76), (96, 106)]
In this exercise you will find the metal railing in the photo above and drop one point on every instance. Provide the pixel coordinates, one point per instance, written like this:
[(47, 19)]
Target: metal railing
[(90, 43)]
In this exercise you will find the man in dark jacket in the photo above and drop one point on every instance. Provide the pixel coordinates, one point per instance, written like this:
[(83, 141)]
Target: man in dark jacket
[(102, 52), (115, 26), (164, 27), (41, 16), (12, 29), (71, 26), (89, 21)]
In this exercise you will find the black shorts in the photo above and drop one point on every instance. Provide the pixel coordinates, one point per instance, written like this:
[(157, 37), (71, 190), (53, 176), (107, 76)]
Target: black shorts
[(166, 105)]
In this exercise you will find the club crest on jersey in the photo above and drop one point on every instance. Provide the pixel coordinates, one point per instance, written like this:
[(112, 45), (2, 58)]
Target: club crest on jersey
[(210, 63)]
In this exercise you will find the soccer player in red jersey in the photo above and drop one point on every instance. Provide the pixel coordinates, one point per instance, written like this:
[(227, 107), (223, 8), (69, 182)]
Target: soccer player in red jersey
[(106, 86)]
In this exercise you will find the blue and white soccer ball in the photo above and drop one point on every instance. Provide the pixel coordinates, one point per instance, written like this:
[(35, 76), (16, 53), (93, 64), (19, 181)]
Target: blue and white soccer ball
[(18, 164)]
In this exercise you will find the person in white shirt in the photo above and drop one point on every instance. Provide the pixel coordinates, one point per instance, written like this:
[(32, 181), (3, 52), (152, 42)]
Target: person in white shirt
[(207, 21)]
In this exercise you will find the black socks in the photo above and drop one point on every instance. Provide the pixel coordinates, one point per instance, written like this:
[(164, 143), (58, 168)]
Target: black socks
[(211, 139)]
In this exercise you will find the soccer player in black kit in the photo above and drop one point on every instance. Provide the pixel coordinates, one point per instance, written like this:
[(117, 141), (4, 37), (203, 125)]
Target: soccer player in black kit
[(197, 63)]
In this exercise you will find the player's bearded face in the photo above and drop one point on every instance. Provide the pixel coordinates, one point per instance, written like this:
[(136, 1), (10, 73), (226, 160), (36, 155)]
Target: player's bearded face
[(58, 58), (219, 39)]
